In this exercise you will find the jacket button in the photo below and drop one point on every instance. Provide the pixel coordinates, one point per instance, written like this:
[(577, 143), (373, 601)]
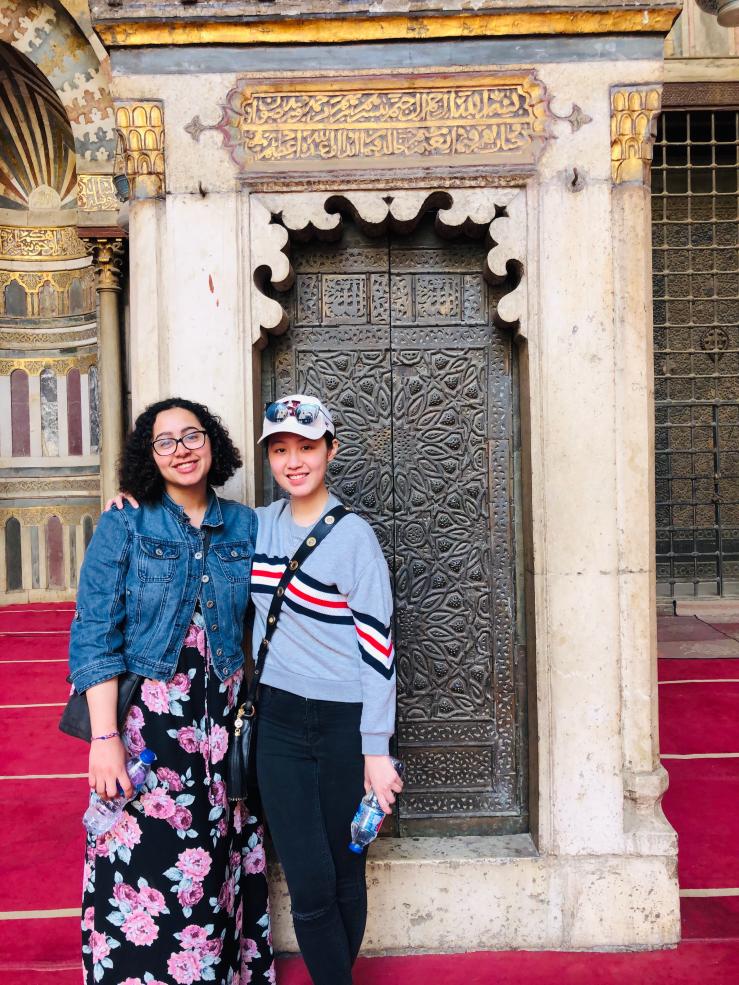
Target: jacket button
[(214, 627), (234, 553), (198, 555), (205, 579), (210, 603), (159, 552), (219, 652)]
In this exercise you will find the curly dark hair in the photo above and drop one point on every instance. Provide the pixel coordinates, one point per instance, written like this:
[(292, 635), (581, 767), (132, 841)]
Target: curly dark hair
[(137, 471)]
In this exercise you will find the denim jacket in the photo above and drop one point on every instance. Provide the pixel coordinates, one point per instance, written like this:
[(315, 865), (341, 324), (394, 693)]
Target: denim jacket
[(142, 575)]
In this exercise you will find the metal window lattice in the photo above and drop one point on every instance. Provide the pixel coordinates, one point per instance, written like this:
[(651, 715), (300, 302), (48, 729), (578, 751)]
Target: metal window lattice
[(696, 351)]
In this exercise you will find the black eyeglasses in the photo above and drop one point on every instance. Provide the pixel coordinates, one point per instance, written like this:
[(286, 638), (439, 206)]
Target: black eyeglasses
[(191, 441), (305, 413)]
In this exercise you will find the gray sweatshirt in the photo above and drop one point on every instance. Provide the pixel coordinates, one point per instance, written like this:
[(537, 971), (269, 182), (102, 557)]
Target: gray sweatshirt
[(333, 639)]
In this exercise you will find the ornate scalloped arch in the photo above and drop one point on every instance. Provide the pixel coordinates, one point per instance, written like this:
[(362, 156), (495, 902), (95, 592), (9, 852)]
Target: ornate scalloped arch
[(49, 36), (303, 215)]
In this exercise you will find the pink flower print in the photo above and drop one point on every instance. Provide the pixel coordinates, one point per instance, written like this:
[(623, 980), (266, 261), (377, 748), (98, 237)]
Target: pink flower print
[(133, 741), (186, 738), (181, 820), (234, 860), (131, 981), (239, 815), (196, 637), (194, 862), (245, 975), (155, 696), (249, 949), (193, 938), (213, 947), (123, 893), (217, 793), (151, 900), (158, 803), (99, 946), (181, 682), (184, 967), (125, 832), (222, 827), (218, 743), (139, 928), (135, 719), (190, 896), (88, 918), (255, 860), (226, 896), (168, 776)]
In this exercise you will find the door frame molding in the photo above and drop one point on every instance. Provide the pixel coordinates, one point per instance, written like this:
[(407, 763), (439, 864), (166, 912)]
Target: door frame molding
[(500, 212)]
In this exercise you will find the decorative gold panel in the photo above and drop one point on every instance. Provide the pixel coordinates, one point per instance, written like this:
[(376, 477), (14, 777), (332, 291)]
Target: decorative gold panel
[(61, 281), (60, 366), (634, 112), (385, 120), (38, 516), (29, 243), (96, 193)]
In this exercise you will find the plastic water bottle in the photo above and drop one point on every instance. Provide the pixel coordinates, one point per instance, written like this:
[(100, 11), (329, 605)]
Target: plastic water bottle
[(101, 815), (369, 817)]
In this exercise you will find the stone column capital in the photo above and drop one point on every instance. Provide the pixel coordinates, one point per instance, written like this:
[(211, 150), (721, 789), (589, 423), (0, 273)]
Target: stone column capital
[(107, 256), (140, 130)]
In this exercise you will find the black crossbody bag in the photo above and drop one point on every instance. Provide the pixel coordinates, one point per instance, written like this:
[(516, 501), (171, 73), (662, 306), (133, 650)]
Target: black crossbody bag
[(242, 745), (75, 720)]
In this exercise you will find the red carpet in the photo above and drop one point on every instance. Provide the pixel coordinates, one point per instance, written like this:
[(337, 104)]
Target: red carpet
[(701, 803), (698, 670), (699, 718)]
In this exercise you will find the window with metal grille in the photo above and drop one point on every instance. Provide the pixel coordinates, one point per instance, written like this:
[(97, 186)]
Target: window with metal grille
[(696, 351)]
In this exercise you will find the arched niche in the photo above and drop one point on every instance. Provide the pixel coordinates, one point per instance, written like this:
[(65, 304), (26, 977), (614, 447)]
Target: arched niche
[(40, 31)]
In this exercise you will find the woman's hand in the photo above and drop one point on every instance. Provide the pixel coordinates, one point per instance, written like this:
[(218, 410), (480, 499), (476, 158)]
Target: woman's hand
[(118, 501), (107, 768), (380, 776)]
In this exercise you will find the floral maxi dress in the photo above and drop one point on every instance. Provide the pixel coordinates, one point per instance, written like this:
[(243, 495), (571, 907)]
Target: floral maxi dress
[(176, 891)]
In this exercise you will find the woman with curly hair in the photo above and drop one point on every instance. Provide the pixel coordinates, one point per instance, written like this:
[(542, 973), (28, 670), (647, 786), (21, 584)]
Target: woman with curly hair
[(176, 891)]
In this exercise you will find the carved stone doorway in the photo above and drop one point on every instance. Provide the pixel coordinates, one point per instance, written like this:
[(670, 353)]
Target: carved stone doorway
[(397, 332)]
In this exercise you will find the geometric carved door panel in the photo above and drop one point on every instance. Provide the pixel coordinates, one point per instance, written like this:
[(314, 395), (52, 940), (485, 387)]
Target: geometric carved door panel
[(397, 334)]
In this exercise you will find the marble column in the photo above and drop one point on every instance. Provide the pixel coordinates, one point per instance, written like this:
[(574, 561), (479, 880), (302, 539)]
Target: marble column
[(108, 254)]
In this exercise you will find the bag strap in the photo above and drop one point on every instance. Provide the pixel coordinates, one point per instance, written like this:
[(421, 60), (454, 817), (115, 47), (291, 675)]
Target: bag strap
[(318, 534)]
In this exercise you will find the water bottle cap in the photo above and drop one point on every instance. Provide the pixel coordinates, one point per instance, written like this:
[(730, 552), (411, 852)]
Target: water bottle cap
[(147, 756), (357, 849)]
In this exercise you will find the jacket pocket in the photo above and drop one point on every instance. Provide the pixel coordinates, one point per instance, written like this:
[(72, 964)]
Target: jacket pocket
[(157, 559), (235, 560)]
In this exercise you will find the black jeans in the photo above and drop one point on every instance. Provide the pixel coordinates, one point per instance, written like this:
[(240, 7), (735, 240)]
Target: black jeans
[(311, 779)]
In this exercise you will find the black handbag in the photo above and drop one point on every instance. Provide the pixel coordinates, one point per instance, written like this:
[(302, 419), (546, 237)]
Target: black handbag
[(75, 718), (241, 747)]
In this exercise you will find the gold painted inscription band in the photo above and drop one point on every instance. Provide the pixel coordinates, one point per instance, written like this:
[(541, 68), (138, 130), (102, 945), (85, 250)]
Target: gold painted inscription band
[(328, 30)]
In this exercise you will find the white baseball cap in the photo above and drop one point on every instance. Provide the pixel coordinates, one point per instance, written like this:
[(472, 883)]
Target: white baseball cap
[(298, 413)]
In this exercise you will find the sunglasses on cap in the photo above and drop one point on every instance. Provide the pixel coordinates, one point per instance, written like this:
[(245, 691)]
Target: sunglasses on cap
[(304, 413)]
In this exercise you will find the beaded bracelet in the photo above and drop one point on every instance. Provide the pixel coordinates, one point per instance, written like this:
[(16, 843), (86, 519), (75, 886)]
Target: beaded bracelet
[(110, 735)]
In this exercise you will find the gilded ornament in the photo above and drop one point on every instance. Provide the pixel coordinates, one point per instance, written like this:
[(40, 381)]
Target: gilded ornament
[(385, 120), (39, 516), (96, 193), (383, 27), (59, 366), (140, 125), (30, 243), (108, 254), (634, 112), (61, 281)]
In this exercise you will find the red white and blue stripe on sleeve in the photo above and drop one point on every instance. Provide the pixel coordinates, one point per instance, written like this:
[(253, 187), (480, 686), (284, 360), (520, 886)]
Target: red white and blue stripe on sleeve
[(309, 597)]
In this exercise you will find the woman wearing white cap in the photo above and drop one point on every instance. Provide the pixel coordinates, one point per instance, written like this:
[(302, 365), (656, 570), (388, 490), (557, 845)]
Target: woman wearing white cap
[(327, 696)]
